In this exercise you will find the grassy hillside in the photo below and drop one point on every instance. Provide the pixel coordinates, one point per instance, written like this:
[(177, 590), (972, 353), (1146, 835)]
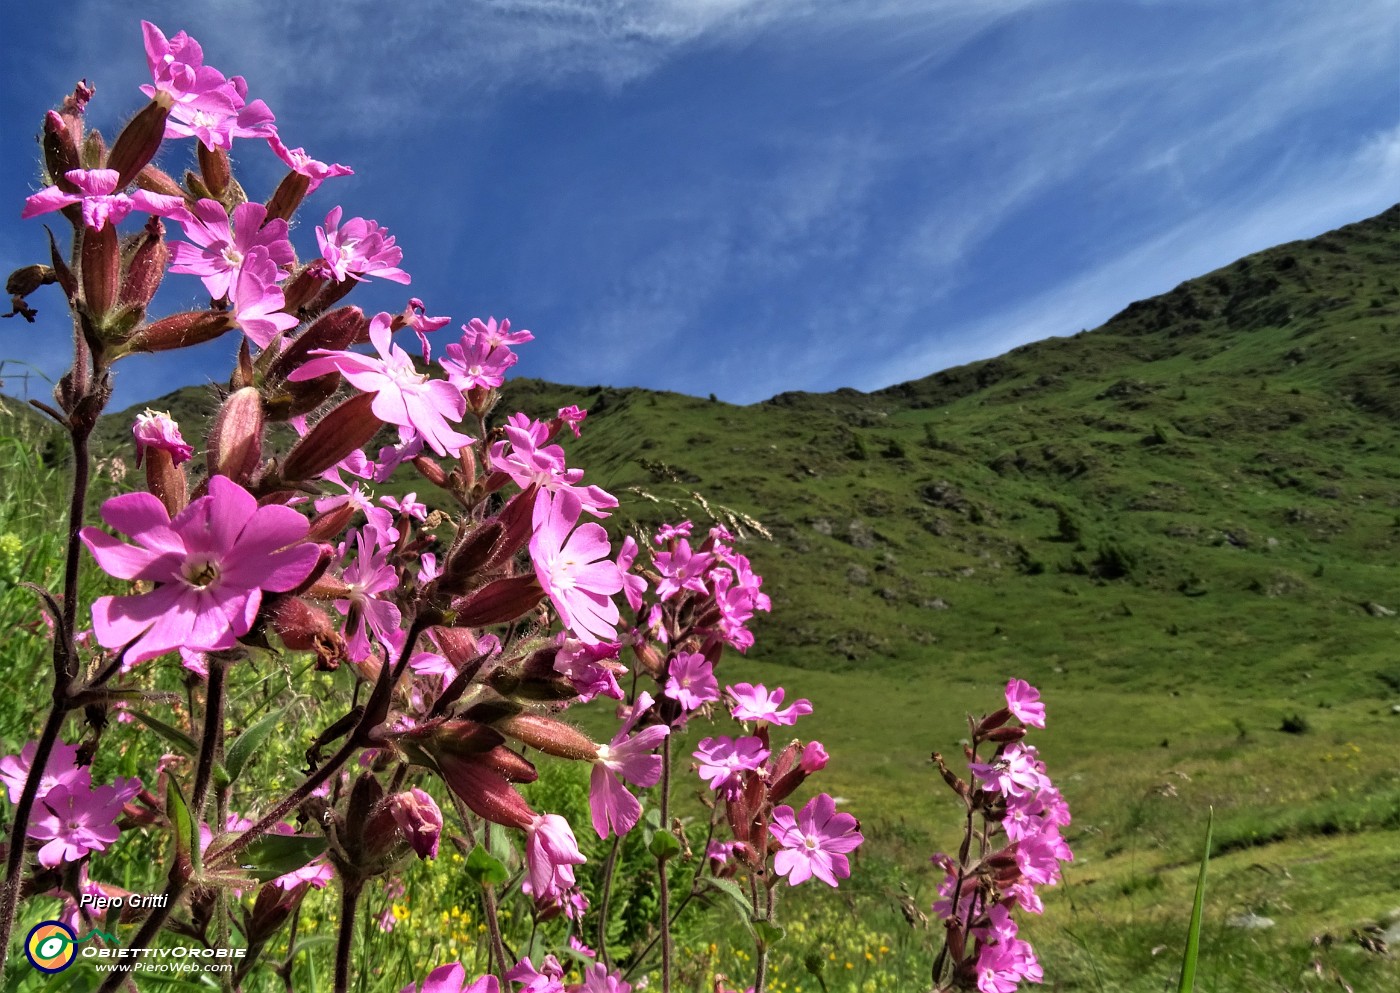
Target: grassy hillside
[(1181, 526)]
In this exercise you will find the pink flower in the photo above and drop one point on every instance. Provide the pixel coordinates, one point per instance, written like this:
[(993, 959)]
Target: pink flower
[(1001, 966), (451, 978), (368, 576), (755, 703), (1015, 771), (586, 668), (669, 531), (402, 395), (681, 569), (154, 429), (1023, 700), (299, 162), (814, 843), (497, 334), (211, 563), (418, 817), (178, 70), (257, 300), (473, 364), (218, 244), (551, 852), (359, 248), (573, 417), (574, 570), (691, 682), (415, 315), (597, 979), (76, 821), (814, 758), (633, 586), (218, 117), (532, 462), (60, 770), (736, 592), (546, 979), (102, 204), (611, 805), (723, 761)]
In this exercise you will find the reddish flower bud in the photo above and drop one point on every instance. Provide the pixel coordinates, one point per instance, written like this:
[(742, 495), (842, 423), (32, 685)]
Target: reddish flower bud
[(304, 627), (93, 151), (60, 142), (349, 426), (469, 557), (101, 270), (457, 644), (325, 527), (288, 196), (430, 471), (335, 331), (1004, 735), (156, 180), (214, 168), (271, 908), (499, 602), (814, 758), (512, 765), (139, 140), (147, 264), (650, 658), (193, 327), (553, 737), (166, 481), (302, 287), (235, 437), (485, 792), (993, 720)]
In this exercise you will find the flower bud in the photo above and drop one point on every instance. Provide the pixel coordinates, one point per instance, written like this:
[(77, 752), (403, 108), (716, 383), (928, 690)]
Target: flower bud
[(303, 627), (147, 264), (430, 471), (155, 180), (94, 150), (993, 720), (499, 602), (553, 737), (271, 908), (235, 437), (288, 196), (60, 143), (485, 792), (512, 765), (349, 426), (214, 168), (468, 558), (814, 758), (301, 289), (101, 270), (650, 658), (139, 140), (327, 526), (193, 327), (335, 331), (166, 481), (1004, 734)]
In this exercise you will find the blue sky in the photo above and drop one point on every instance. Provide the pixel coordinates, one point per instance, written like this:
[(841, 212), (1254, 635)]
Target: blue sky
[(742, 197)]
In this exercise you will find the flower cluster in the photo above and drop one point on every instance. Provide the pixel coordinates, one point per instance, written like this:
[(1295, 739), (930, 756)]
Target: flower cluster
[(1018, 849), (75, 818)]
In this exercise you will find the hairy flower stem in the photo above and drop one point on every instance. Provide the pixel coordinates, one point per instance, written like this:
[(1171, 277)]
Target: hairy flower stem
[(345, 934), (65, 662), (356, 740), (210, 747), (14, 865), (488, 900), (665, 894)]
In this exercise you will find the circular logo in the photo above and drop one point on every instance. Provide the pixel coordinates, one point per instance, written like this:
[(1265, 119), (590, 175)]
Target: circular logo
[(51, 946)]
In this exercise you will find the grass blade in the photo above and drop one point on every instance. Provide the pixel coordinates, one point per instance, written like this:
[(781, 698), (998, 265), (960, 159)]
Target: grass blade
[(1193, 935)]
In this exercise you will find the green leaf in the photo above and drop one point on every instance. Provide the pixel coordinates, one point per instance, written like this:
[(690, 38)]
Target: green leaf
[(182, 823), (1193, 934), (485, 868), (249, 742), (664, 845), (736, 895), (175, 736), (769, 934), (275, 855)]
